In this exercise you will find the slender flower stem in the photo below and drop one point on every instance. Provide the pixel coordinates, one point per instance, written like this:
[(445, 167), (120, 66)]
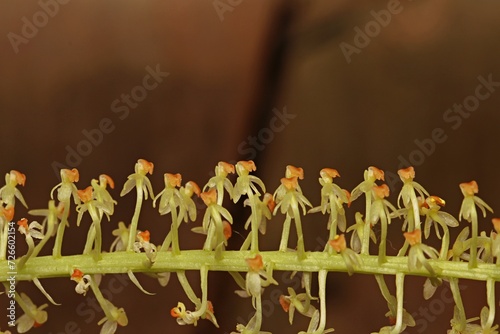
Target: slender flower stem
[(298, 226), (135, 218), (175, 228), (400, 281), (333, 217), (254, 223), (455, 290), (490, 295), (322, 299), (100, 298), (181, 276), (473, 244), (365, 245), (285, 234), (56, 250)]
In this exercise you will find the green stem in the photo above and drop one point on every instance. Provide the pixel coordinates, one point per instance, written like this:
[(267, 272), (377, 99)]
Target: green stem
[(175, 228), (56, 250), (181, 275), (285, 234), (490, 295), (365, 245), (383, 239), (254, 223), (51, 223), (455, 290), (333, 217), (31, 248), (416, 212), (122, 262), (258, 314), (473, 244), (204, 292), (322, 299), (301, 253), (400, 281), (100, 298), (135, 217), (4, 232)]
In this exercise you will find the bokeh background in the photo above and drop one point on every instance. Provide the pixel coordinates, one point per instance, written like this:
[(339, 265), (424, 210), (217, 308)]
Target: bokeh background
[(351, 100)]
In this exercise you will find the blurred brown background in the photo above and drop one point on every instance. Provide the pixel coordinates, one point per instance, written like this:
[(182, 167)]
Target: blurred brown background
[(353, 99)]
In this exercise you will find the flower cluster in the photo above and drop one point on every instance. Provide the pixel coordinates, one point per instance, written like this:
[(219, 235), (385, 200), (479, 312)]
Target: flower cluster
[(133, 251)]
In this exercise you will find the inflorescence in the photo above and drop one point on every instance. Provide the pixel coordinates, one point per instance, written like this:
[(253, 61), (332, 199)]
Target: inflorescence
[(473, 255)]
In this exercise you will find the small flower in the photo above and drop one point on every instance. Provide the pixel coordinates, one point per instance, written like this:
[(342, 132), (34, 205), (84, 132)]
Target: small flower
[(9, 192), (139, 179), (114, 317), (358, 230), (185, 317), (431, 209), (418, 250), (245, 183), (188, 206), (292, 171), (332, 199), (220, 180), (300, 302), (469, 189), (104, 201), (83, 281), (264, 209), (371, 175), (350, 257), (66, 188), (33, 317), (289, 197), (144, 244), (213, 224), (468, 212), (381, 210), (33, 230), (121, 234)]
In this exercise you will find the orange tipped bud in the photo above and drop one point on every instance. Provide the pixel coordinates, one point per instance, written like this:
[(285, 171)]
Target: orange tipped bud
[(378, 173), (18, 176), (469, 188), (255, 264), (23, 222), (269, 201), (407, 174), (226, 167), (145, 236), (292, 171), (173, 180), (209, 197), (338, 243), (228, 230), (248, 165), (496, 224), (329, 173), (174, 312), (414, 237), (193, 186), (71, 175), (381, 191), (290, 183), (86, 194), (8, 213), (107, 180), (285, 303), (146, 166), (77, 274)]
